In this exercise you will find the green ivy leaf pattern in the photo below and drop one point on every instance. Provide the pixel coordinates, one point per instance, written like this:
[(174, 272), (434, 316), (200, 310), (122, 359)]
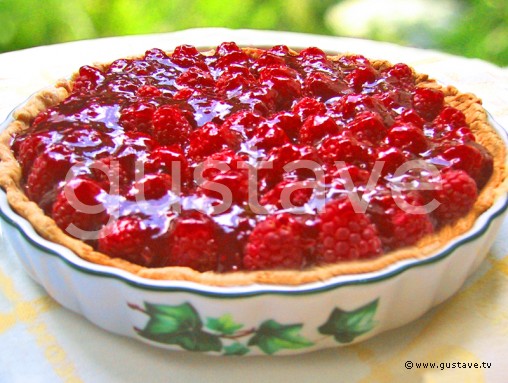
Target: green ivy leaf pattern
[(236, 348), (182, 325), (272, 337), (224, 325), (345, 326)]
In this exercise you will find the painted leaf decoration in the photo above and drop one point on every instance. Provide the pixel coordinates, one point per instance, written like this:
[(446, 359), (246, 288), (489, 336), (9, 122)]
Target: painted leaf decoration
[(345, 326), (236, 349), (179, 325), (272, 336), (224, 325)]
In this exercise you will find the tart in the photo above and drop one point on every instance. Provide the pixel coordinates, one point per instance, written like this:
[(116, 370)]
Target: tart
[(238, 166)]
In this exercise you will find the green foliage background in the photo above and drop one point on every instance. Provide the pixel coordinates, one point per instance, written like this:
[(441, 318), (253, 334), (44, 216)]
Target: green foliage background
[(481, 30)]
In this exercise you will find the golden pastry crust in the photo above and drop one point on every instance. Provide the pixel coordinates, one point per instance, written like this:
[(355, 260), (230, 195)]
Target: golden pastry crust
[(469, 104)]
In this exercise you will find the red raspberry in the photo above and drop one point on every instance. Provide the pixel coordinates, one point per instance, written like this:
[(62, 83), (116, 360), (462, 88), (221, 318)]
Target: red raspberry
[(345, 234), (323, 87), (456, 197), (133, 239), (225, 157), (148, 91), (275, 243), (350, 62), (287, 121), (400, 75), (137, 117), (47, 171), (151, 186), (410, 117), (368, 126), (399, 217), (313, 57), (284, 80), (170, 125), (193, 243), (428, 102), (72, 203), (244, 122), (393, 159), (451, 124), (267, 60), (88, 79), (236, 181), (112, 174), (229, 59), (298, 197), (28, 148), (317, 127), (268, 136), (345, 147), (360, 76), (206, 140), (407, 137), (473, 158), (261, 100), (395, 99), (195, 78), (307, 106), (349, 106), (156, 54), (187, 56), (233, 84), (162, 158)]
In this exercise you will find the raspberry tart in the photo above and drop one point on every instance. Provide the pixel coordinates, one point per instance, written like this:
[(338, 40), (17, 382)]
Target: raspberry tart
[(243, 165)]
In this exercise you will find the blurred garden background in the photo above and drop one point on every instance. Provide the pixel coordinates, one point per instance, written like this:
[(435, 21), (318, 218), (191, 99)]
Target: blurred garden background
[(471, 28)]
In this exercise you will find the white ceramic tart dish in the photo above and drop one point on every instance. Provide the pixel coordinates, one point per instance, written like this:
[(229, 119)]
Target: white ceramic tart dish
[(325, 307)]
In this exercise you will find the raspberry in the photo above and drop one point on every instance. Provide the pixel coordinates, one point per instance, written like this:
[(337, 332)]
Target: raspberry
[(398, 226), (47, 171), (275, 243), (148, 91), (170, 125), (400, 75), (284, 80), (298, 197), (195, 78), (233, 84), (407, 137), (205, 141), (156, 54), (151, 186), (345, 234), (88, 79), (187, 56), (322, 86), (261, 100), (473, 158), (236, 181), (349, 106), (268, 136), (428, 102), (393, 159), (288, 122), (307, 106), (244, 122), (317, 127), (410, 117), (193, 243), (229, 59), (451, 124), (30, 147), (111, 174), (162, 158), (137, 117), (279, 50), (368, 126), (361, 76), (456, 197), (345, 147), (72, 203), (132, 239), (266, 60)]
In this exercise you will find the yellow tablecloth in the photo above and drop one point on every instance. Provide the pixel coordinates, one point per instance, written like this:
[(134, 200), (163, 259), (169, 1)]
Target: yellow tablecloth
[(42, 342)]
